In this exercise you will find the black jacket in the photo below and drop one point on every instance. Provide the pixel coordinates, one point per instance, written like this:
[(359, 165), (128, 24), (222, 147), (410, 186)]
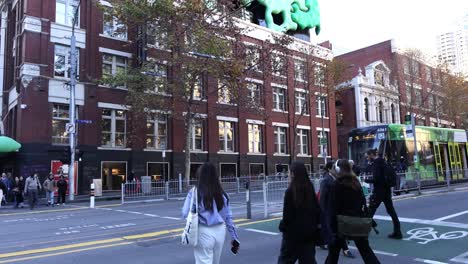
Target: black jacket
[(299, 225), (347, 200), (3, 188), (378, 177), (326, 186), (62, 185)]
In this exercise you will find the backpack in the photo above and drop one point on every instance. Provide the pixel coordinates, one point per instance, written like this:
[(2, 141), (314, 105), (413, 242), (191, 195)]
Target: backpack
[(390, 175)]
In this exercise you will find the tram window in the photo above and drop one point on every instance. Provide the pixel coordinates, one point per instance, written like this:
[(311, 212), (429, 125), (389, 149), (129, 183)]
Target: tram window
[(427, 158)]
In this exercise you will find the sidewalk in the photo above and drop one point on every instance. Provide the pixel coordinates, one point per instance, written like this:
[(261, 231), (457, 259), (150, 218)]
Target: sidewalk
[(428, 191)]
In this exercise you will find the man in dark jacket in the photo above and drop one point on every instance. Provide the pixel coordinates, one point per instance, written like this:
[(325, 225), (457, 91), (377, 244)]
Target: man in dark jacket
[(382, 193), (62, 186)]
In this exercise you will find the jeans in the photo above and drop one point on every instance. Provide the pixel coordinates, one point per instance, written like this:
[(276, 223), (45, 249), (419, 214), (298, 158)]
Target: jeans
[(50, 197), (403, 182), (376, 200), (291, 252), (210, 244), (32, 194), (362, 244)]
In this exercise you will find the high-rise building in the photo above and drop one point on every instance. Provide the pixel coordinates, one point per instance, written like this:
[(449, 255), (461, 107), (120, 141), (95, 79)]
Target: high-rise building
[(452, 47)]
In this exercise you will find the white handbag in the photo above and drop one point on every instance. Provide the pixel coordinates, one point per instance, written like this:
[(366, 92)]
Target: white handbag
[(190, 233)]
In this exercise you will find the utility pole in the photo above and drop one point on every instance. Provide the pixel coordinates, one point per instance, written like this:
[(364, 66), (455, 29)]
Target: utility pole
[(412, 118), (72, 130)]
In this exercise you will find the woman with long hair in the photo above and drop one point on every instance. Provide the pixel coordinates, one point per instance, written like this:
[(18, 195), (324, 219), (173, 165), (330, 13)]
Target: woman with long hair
[(347, 198), (214, 215), (301, 219)]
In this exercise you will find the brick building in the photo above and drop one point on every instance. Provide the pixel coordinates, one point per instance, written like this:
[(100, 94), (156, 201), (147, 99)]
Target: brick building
[(35, 39), (385, 85)]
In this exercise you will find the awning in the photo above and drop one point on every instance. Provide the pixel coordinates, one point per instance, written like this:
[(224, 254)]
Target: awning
[(8, 144)]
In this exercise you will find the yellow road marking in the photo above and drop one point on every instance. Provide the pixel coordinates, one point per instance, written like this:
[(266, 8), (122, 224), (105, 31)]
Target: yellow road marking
[(65, 252), (46, 211), (42, 250), (260, 221)]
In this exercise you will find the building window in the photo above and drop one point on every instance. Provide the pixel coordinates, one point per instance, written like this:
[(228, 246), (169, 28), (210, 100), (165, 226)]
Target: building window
[(256, 169), (280, 140), (224, 94), (408, 95), (252, 55), (299, 70), (392, 109), (278, 65), (428, 74), (65, 11), (113, 128), (319, 75), (160, 78), (323, 137), (381, 110), (62, 61), (255, 93), (378, 78), (158, 171), (415, 68), (195, 85), (282, 170), (255, 138), (113, 65), (406, 66), (228, 170), (156, 131), (321, 105), (60, 117), (303, 141), (418, 97), (112, 27), (196, 136), (302, 103), (279, 99), (339, 119), (366, 109), (157, 36), (226, 136)]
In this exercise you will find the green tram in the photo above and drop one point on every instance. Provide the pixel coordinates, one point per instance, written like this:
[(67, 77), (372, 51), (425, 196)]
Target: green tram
[(442, 151)]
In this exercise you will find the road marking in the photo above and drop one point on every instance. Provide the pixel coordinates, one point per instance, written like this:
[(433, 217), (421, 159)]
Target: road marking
[(451, 216), (379, 252), (429, 261), (42, 250), (47, 211), (424, 222), (262, 232), (122, 211), (172, 218), (65, 252), (463, 258), (138, 213), (152, 215), (428, 234), (258, 222)]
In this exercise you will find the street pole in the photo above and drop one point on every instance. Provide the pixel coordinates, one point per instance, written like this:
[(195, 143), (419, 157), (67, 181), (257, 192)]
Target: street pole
[(71, 168), (416, 154), (322, 113)]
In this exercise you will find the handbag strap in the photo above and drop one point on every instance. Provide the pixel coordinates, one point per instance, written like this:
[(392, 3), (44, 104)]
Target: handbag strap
[(194, 200)]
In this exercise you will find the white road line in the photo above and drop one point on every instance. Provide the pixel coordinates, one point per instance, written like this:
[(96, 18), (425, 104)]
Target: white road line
[(451, 216), (379, 252), (463, 258), (138, 213), (122, 211), (422, 221), (262, 232), (151, 215), (172, 218), (429, 261), (277, 214)]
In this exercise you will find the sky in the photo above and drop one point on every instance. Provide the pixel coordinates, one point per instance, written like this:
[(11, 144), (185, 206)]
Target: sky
[(351, 25)]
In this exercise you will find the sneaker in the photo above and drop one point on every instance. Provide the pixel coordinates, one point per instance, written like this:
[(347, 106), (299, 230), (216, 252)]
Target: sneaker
[(348, 254), (395, 236)]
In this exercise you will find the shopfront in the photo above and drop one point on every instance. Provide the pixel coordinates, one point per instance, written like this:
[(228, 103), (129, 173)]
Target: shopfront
[(113, 174)]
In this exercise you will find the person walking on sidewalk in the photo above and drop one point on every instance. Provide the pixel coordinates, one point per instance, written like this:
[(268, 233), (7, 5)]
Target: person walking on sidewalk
[(49, 186), (32, 187), (301, 219), (382, 192), (326, 185), (62, 186), (347, 198), (214, 215), (19, 189)]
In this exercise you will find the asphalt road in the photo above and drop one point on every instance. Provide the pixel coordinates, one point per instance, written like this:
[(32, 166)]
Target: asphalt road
[(435, 227)]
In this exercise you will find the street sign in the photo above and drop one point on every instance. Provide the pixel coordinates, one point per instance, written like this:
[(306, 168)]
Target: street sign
[(84, 121), (409, 131), (408, 119), (70, 128), (323, 141)]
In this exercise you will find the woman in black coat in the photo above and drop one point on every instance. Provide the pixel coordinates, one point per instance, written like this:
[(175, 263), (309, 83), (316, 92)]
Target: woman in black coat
[(347, 199), (301, 219)]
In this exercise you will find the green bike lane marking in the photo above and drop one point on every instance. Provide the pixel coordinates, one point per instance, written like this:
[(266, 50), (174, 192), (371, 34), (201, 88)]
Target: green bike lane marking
[(424, 241)]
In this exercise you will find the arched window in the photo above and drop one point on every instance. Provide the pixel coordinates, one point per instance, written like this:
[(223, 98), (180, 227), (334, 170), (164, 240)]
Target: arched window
[(392, 109), (366, 109), (381, 112)]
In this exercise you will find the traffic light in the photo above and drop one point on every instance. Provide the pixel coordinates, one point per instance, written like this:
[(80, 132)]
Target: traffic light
[(65, 157)]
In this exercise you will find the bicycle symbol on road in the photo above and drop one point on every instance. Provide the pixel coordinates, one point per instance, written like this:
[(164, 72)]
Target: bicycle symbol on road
[(427, 234)]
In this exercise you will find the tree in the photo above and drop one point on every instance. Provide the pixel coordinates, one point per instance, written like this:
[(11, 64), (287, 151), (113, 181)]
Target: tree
[(455, 91), (197, 44)]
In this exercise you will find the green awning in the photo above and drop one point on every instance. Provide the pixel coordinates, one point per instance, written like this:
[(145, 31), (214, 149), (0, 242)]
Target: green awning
[(8, 144)]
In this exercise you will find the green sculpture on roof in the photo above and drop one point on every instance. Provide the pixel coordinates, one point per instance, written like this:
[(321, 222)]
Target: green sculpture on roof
[(296, 14)]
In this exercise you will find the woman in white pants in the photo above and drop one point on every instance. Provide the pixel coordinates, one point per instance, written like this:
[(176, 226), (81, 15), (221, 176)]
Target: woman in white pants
[(214, 216)]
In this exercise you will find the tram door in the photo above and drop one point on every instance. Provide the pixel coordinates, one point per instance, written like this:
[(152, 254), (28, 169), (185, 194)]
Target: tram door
[(464, 156), (455, 160), (439, 162)]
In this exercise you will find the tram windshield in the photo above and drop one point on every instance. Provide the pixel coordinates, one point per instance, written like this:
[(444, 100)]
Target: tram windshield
[(361, 140)]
